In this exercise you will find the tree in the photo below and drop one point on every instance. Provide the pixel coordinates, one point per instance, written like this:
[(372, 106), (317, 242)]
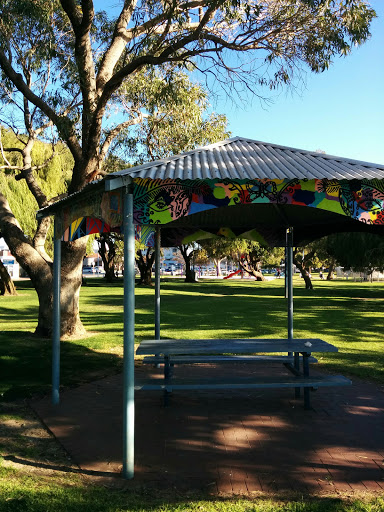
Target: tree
[(6, 284), (145, 259), (252, 256), (176, 118), (188, 252), (217, 249), (314, 254), (34, 171), (110, 250), (363, 252), (68, 67), (303, 259)]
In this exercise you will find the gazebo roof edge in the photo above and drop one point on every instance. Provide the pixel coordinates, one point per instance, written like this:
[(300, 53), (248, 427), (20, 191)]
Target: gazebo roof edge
[(155, 163), (240, 158)]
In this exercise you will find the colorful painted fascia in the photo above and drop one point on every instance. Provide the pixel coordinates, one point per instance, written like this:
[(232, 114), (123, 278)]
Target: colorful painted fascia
[(159, 202)]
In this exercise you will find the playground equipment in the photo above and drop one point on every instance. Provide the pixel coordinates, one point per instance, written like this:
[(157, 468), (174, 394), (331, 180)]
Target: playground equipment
[(233, 274)]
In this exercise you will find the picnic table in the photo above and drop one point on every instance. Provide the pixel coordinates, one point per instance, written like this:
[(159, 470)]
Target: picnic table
[(295, 354)]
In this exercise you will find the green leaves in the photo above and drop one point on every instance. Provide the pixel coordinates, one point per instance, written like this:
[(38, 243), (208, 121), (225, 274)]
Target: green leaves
[(177, 116)]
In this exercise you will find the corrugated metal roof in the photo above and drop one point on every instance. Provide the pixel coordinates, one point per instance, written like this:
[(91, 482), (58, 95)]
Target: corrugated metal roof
[(237, 158), (242, 158)]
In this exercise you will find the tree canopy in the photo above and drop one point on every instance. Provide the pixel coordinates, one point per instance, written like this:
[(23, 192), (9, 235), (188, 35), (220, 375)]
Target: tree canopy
[(73, 64), (359, 251)]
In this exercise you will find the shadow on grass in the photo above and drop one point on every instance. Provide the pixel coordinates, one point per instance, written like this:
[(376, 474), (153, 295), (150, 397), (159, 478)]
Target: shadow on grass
[(14, 314), (26, 365), (56, 467), (92, 498), (349, 315), (344, 313)]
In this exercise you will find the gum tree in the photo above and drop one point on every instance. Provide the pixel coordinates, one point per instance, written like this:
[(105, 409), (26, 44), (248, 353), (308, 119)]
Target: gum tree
[(69, 66)]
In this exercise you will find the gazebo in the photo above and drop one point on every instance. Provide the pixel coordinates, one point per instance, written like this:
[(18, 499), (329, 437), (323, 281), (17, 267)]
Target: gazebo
[(276, 195)]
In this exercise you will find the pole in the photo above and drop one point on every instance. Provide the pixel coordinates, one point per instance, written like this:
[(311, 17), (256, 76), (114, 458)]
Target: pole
[(56, 317), (290, 281), (129, 338), (286, 270), (157, 283), (290, 299)]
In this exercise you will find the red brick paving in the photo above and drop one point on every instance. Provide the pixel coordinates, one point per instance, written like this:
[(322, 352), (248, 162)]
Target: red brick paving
[(229, 442)]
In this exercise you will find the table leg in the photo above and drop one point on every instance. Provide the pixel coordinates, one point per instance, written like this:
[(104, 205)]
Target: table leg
[(297, 367), (307, 401), (168, 370)]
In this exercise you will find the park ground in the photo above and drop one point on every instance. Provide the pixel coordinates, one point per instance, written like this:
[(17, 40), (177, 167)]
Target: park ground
[(345, 313)]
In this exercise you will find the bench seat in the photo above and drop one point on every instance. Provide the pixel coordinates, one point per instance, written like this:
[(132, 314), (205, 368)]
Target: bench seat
[(242, 383), (223, 359)]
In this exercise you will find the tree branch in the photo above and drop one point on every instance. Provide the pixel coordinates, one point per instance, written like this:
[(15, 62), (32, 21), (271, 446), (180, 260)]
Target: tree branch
[(116, 48), (117, 129), (63, 124), (82, 25), (40, 238)]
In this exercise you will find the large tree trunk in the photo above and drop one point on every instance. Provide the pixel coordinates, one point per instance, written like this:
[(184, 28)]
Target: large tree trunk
[(108, 256), (190, 275), (331, 270), (217, 263), (305, 275), (303, 264), (40, 273), (145, 263), (254, 272), (6, 284)]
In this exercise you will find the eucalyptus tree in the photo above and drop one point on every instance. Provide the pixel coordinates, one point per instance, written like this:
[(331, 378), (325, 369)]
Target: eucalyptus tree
[(217, 249), (7, 286), (248, 254), (69, 66), (362, 252), (252, 256)]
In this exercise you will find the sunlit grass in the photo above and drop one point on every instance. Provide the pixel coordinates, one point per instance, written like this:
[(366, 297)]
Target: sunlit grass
[(69, 493), (347, 314)]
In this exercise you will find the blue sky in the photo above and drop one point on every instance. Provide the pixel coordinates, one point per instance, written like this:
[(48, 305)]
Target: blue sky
[(341, 111)]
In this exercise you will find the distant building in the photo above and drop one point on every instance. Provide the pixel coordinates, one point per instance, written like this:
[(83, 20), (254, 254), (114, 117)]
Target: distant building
[(93, 264), (9, 260)]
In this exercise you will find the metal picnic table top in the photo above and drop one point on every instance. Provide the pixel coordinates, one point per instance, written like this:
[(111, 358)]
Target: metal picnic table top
[(233, 346)]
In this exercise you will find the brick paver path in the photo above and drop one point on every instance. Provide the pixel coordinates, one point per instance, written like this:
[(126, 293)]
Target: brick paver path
[(236, 442)]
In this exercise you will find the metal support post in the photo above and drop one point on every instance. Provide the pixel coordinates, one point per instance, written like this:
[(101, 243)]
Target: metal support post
[(289, 288), (289, 278), (56, 317), (286, 270), (129, 338), (157, 283), (307, 400)]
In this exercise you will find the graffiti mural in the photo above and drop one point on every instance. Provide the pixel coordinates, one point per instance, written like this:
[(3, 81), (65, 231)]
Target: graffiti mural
[(159, 202), (163, 201)]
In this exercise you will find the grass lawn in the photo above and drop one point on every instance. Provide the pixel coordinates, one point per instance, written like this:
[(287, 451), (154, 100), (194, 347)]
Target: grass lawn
[(345, 313)]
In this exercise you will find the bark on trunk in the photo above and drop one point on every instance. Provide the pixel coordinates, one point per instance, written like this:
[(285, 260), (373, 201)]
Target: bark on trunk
[(108, 257), (145, 263), (71, 280), (40, 272), (6, 284), (190, 276), (305, 275), (257, 274), (303, 264), (217, 263), (331, 270)]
